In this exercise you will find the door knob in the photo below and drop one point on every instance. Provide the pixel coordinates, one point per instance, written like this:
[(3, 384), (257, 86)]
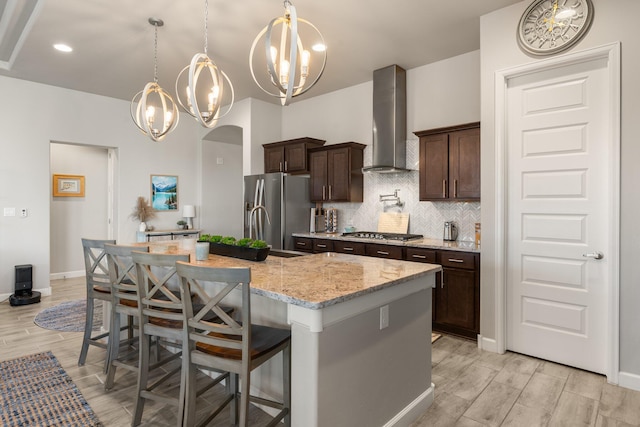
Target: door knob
[(594, 255)]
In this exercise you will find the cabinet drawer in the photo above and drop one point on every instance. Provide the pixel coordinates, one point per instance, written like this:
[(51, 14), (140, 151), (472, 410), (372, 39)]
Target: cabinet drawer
[(354, 248), (303, 244), (455, 259), (384, 251), (320, 245), (421, 255)]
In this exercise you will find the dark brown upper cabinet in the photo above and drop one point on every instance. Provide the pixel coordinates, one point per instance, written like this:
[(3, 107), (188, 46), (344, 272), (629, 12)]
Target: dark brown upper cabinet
[(336, 173), (450, 163), (289, 156)]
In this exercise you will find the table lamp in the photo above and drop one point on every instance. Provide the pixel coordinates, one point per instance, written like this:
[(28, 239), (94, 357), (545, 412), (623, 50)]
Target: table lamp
[(188, 212)]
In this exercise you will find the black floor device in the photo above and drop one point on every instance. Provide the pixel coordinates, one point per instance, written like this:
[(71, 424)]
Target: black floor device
[(23, 289)]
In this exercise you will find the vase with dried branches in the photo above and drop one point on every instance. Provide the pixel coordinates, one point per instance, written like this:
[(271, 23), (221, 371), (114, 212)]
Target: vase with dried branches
[(143, 212)]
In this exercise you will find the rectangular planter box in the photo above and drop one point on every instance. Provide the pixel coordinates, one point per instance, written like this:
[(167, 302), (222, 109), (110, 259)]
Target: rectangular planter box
[(242, 252)]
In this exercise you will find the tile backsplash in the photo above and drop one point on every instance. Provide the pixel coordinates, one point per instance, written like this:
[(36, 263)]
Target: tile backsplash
[(426, 218)]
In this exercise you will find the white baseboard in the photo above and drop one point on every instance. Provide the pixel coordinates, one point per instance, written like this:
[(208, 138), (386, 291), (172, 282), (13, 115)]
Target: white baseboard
[(66, 275), (413, 410), (487, 344), (629, 380)]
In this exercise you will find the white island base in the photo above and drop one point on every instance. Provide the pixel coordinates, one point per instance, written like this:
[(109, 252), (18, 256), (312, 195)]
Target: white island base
[(347, 371)]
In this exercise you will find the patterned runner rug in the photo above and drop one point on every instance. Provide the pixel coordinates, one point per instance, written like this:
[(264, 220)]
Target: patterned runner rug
[(36, 391), (69, 316)]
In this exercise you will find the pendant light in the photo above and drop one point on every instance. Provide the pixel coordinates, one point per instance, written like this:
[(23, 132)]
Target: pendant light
[(152, 109), (291, 69), (201, 73)]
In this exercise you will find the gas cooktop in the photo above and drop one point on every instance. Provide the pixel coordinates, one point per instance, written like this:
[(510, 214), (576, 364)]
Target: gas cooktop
[(374, 235)]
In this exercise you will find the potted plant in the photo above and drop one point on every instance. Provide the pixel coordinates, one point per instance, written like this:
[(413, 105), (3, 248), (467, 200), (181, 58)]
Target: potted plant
[(249, 249), (143, 212), (182, 225)]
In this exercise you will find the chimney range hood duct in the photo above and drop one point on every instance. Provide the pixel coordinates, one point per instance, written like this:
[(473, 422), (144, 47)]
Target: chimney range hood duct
[(389, 120)]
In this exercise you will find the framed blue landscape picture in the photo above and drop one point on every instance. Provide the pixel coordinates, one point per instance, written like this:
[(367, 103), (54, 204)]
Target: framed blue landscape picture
[(164, 192)]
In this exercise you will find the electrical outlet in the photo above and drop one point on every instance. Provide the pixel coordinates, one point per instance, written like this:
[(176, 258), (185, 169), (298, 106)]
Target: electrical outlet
[(384, 316), (24, 213)]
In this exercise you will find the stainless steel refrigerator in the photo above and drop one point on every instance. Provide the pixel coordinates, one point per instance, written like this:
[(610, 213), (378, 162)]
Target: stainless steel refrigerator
[(276, 205)]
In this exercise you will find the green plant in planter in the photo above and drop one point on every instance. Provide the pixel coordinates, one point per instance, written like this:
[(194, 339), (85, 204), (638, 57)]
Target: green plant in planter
[(182, 224), (258, 244), (244, 242), (228, 241), (231, 241)]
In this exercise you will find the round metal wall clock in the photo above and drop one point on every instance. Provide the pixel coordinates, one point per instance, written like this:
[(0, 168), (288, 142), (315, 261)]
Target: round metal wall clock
[(551, 26)]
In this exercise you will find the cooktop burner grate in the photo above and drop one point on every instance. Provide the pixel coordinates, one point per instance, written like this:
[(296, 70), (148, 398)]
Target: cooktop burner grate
[(374, 235)]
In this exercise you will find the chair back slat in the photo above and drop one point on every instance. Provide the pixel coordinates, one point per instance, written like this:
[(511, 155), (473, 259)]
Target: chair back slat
[(122, 274), (95, 262), (226, 332), (155, 272)]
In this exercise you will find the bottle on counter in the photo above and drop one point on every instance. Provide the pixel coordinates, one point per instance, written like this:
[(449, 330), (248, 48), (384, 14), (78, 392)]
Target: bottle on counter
[(477, 234)]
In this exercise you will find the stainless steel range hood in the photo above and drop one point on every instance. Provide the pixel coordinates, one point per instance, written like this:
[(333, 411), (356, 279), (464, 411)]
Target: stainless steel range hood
[(389, 120)]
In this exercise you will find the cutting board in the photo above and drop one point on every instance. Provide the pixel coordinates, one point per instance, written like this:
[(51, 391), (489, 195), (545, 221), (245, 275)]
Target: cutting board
[(393, 222)]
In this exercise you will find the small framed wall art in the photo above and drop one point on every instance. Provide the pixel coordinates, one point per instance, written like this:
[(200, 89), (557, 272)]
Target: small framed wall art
[(68, 185), (164, 192)]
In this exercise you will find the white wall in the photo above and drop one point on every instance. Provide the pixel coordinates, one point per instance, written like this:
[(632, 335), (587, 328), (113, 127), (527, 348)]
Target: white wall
[(221, 211), (73, 218), (80, 118), (615, 20)]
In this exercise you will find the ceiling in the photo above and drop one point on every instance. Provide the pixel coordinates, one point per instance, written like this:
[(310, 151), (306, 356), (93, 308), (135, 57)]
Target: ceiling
[(113, 42)]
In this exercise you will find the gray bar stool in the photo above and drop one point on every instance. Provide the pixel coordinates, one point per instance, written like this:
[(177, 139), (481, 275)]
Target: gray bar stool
[(237, 347), (98, 288)]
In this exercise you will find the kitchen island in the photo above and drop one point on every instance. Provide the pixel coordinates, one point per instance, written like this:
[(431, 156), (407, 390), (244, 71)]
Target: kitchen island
[(361, 334)]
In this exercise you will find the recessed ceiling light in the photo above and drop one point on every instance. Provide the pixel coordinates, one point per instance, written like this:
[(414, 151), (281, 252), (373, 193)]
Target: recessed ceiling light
[(319, 47), (63, 47)]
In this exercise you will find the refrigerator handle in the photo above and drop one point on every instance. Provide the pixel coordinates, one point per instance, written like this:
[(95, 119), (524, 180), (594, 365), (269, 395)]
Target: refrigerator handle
[(260, 230)]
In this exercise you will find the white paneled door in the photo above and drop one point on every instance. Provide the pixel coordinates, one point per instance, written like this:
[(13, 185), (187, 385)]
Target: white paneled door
[(558, 212)]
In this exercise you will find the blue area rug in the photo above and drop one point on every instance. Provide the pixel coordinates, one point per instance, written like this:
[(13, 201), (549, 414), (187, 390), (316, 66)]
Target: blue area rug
[(69, 316), (36, 391)]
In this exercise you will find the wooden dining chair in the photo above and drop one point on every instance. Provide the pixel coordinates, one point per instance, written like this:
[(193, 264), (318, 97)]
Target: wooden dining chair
[(98, 287), (237, 347)]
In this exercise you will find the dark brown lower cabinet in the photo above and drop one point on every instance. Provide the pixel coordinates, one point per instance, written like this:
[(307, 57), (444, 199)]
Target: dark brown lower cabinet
[(303, 244), (456, 297), (344, 247), (320, 245), (383, 251)]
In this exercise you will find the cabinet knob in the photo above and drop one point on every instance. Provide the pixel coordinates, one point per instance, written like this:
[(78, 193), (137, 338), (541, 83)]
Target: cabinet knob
[(456, 260), (444, 188), (419, 256), (383, 253), (285, 165)]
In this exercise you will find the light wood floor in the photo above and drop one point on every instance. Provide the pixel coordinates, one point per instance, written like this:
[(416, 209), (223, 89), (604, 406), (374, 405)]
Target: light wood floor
[(473, 387)]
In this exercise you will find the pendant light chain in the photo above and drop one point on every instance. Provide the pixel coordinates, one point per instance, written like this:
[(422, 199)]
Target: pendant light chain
[(155, 53), (206, 26)]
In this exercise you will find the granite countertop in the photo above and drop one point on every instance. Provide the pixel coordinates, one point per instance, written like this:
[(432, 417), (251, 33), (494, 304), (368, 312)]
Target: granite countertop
[(312, 281), (462, 246)]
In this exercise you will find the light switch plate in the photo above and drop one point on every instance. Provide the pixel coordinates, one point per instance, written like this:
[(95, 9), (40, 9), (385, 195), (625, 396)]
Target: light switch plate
[(9, 211)]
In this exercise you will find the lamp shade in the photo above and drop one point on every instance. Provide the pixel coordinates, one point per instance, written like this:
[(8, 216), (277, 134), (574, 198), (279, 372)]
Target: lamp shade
[(188, 211)]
